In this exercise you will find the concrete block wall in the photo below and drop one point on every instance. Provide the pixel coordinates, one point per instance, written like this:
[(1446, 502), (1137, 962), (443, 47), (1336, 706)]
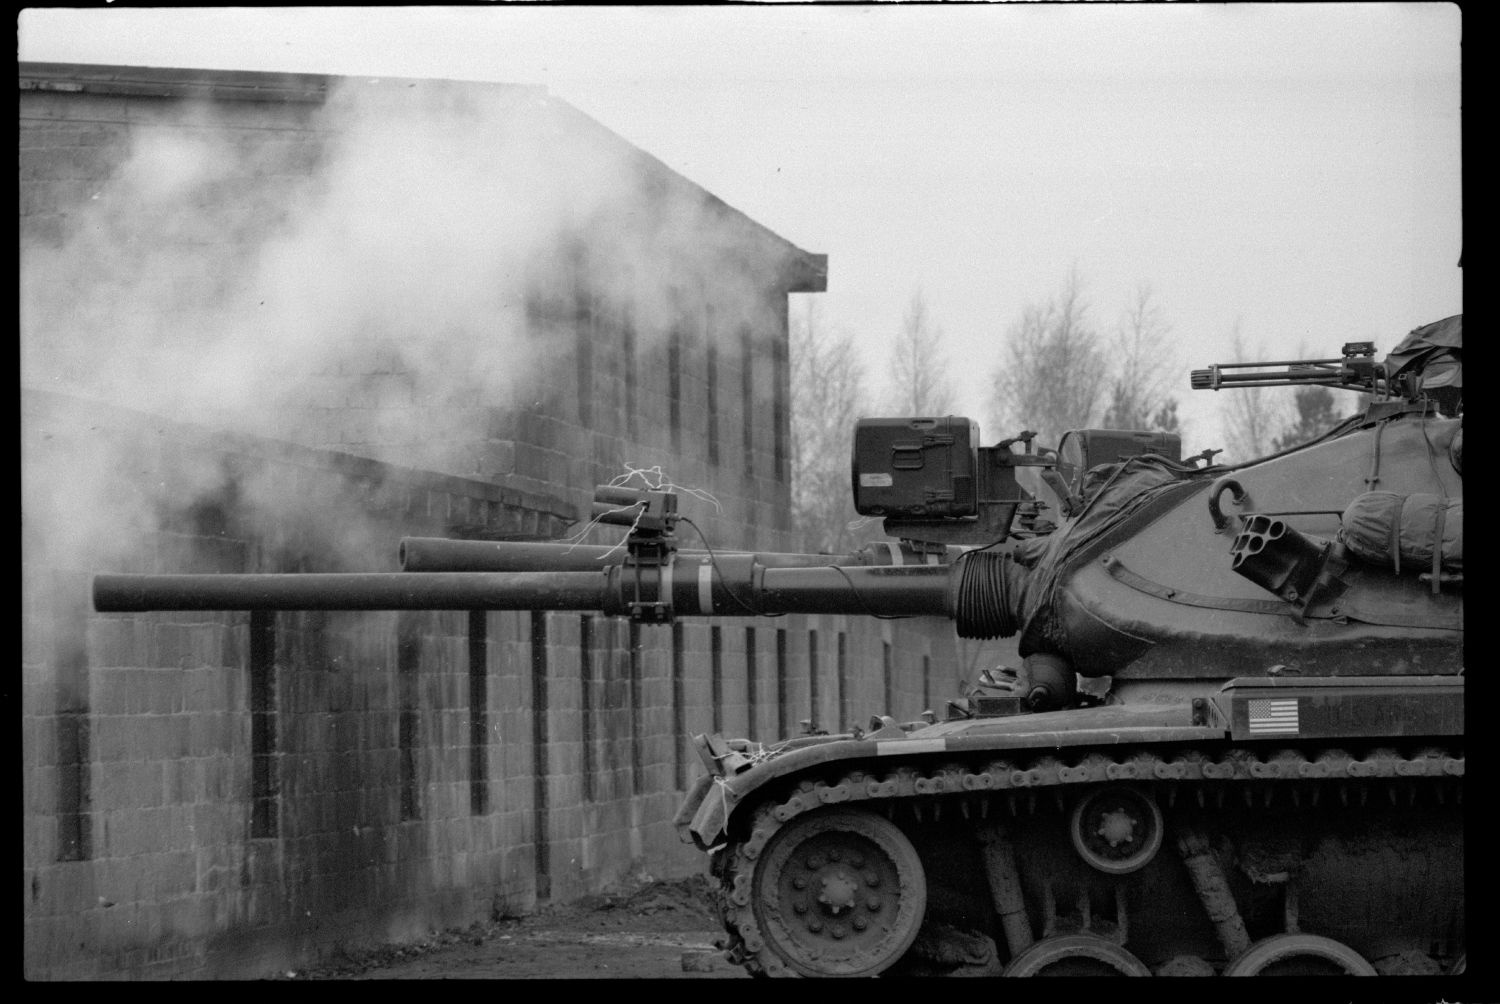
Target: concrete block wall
[(222, 794)]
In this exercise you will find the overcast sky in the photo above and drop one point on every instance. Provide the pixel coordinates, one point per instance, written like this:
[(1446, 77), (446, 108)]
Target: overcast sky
[(1290, 168)]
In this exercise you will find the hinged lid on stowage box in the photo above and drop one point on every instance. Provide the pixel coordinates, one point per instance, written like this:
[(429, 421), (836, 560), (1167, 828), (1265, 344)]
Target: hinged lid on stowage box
[(915, 466)]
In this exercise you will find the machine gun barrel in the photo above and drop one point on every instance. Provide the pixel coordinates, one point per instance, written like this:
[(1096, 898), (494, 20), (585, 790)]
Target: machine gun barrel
[(1356, 369), (733, 585), (440, 554)]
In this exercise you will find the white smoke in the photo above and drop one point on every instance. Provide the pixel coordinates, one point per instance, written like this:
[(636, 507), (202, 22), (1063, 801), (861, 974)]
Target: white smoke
[(363, 277)]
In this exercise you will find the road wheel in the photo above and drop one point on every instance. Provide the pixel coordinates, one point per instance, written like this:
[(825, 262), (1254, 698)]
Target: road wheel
[(1076, 955), (1299, 955), (839, 892)]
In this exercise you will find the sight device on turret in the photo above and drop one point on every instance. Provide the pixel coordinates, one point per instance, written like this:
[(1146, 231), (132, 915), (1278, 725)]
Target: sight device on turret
[(1234, 744)]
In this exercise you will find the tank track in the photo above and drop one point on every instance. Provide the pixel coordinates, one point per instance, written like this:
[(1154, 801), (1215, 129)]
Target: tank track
[(1029, 777)]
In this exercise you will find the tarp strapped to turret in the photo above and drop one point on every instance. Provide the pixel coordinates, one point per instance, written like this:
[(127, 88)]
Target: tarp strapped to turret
[(1112, 493), (1433, 353), (1393, 530)]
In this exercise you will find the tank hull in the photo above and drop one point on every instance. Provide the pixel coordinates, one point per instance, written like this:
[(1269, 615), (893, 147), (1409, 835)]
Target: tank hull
[(1283, 856)]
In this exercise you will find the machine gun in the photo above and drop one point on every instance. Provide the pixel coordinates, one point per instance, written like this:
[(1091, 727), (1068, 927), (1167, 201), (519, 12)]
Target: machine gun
[(1424, 370), (1355, 369)]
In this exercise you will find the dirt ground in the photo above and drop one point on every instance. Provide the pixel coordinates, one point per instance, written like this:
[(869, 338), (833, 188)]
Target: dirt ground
[(650, 930)]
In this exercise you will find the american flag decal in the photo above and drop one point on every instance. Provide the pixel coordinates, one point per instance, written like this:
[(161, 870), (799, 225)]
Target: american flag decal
[(1273, 716)]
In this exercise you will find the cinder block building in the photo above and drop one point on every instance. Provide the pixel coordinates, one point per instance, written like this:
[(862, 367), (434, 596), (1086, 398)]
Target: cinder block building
[(275, 323)]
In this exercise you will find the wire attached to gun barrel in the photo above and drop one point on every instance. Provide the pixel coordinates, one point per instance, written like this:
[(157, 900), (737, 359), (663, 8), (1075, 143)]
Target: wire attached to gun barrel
[(713, 559)]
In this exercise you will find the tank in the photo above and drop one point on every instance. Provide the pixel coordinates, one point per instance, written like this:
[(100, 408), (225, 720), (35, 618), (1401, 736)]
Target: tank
[(1233, 745)]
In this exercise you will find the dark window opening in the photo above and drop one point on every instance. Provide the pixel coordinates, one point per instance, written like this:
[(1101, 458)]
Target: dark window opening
[(889, 674), (842, 669), (263, 786), (747, 393), (583, 328), (73, 843), (750, 681), (780, 413), (926, 683), (627, 348), (674, 388), (783, 698), (408, 665), (69, 634), (479, 726), (716, 675), (812, 677), (637, 728), (713, 403), (539, 741), (586, 668), (679, 709)]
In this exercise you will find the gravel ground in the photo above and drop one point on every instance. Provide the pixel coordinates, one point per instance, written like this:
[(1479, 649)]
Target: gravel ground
[(649, 930)]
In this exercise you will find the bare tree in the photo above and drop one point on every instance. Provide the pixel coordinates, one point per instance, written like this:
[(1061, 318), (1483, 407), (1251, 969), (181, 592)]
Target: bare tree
[(918, 364), (827, 397), (1249, 416), (1315, 414), (1138, 392), (1051, 378)]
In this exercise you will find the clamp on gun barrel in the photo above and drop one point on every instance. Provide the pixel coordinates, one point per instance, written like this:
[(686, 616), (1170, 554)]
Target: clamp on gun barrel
[(651, 515)]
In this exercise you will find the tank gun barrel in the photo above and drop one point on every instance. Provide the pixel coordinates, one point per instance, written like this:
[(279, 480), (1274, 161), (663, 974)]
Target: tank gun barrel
[(647, 579), (732, 585)]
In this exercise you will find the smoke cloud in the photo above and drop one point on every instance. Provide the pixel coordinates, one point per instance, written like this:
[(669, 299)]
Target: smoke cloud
[(372, 274)]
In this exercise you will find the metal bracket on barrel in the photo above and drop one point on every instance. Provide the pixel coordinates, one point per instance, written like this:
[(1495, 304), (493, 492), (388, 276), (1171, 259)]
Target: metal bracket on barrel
[(650, 546)]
